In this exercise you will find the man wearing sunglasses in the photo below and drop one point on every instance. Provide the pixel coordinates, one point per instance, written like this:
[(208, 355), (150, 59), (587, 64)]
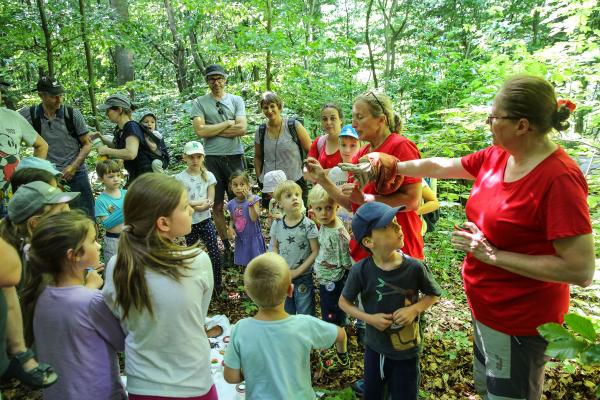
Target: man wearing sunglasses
[(219, 118)]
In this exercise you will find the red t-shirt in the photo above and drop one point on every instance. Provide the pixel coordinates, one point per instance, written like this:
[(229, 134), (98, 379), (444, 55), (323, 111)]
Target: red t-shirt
[(327, 161), (524, 216), (403, 149)]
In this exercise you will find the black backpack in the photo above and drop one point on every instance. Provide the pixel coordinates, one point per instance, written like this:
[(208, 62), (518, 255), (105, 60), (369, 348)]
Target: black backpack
[(36, 121), (291, 123)]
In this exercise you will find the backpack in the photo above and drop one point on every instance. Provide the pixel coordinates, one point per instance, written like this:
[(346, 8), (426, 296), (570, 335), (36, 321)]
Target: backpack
[(161, 149), (36, 121), (291, 123)]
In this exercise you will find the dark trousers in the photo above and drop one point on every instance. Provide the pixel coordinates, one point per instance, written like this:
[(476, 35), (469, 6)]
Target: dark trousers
[(85, 201), (402, 377), (206, 231)]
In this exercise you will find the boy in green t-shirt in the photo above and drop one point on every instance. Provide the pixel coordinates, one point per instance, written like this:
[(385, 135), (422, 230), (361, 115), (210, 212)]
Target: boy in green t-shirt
[(271, 351), (389, 284)]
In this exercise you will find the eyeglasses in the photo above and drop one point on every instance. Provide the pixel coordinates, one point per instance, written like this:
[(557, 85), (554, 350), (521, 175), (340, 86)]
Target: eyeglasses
[(217, 79), (491, 118), (220, 108), (380, 105)]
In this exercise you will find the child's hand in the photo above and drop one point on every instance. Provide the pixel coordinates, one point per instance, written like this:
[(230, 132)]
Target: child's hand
[(246, 192), (405, 316), (294, 273), (93, 280), (230, 233), (380, 321)]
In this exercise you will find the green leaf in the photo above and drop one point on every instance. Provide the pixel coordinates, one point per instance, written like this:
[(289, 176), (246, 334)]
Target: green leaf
[(591, 355), (565, 349), (553, 332), (581, 325)]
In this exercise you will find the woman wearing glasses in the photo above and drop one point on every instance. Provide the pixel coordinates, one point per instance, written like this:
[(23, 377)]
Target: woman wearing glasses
[(280, 144), (528, 235), (376, 123)]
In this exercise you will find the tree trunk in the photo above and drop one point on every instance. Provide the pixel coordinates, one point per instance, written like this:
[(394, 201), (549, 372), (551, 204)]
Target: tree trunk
[(198, 60), (178, 51), (88, 61), (47, 38), (123, 56), (368, 41), (269, 61)]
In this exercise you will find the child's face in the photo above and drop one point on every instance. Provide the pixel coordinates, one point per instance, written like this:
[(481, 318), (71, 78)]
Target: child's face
[(194, 161), (180, 220), (325, 212), (239, 187), (111, 180), (291, 202), (388, 238), (91, 250), (149, 123), (349, 146)]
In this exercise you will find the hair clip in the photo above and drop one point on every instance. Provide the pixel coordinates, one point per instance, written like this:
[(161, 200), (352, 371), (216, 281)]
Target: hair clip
[(567, 103)]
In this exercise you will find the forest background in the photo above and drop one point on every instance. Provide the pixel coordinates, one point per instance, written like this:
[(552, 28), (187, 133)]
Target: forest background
[(441, 61)]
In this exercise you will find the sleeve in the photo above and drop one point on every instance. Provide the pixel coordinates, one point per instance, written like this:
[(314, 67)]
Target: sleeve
[(29, 135), (113, 219), (472, 163), (232, 353), (343, 241), (407, 150), (101, 207), (275, 230), (427, 283), (211, 179), (311, 229), (314, 150), (106, 324), (353, 285), (197, 109), (565, 209), (80, 125), (323, 333), (133, 129), (25, 114), (240, 107), (109, 293)]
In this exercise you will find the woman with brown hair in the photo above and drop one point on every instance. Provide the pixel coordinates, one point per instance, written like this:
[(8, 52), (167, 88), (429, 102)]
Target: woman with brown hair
[(527, 237)]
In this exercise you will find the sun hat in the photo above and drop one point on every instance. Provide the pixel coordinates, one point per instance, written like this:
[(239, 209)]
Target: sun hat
[(37, 163), (371, 216), (50, 85), (271, 179), (116, 100), (193, 147), (31, 197), (348, 130)]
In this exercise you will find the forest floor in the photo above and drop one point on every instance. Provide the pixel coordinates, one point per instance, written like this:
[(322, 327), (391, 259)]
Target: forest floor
[(447, 355)]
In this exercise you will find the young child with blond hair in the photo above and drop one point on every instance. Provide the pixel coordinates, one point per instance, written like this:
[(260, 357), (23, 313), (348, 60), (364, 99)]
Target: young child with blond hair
[(283, 372), (109, 204)]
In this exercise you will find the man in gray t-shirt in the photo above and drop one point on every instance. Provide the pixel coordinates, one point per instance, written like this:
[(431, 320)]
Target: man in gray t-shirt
[(219, 118), (67, 136)]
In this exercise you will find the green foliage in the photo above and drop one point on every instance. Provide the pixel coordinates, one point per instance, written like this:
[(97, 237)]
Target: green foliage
[(579, 342)]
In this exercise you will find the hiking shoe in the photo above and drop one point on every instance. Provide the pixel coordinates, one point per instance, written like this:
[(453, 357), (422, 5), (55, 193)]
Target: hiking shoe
[(359, 387)]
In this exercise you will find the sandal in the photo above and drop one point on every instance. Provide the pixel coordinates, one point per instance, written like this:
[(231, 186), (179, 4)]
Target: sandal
[(334, 361), (40, 377)]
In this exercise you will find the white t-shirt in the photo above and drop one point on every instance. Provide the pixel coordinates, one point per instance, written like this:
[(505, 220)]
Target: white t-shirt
[(14, 129), (197, 189), (168, 354)]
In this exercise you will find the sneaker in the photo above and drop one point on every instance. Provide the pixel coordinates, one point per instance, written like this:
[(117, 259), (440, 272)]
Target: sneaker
[(359, 387)]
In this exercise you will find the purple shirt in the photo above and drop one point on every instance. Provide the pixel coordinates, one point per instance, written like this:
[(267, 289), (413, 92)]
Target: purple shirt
[(249, 241), (77, 334)]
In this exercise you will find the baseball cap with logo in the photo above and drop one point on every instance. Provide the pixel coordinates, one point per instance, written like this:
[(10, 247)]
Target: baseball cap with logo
[(193, 147), (31, 197), (371, 216), (116, 100), (50, 85), (214, 69)]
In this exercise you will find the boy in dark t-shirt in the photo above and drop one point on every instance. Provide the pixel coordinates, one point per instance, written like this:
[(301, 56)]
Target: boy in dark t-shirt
[(389, 284)]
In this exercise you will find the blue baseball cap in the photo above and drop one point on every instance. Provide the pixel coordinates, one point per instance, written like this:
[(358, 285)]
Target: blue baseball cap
[(348, 130), (37, 163), (371, 216)]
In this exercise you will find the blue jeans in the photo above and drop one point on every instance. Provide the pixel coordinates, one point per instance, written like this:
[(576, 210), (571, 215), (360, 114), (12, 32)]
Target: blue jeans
[(330, 296), (303, 298), (85, 201)]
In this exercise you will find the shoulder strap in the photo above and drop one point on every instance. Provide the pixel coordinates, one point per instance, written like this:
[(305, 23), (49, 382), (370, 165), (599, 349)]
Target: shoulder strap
[(35, 119), (321, 143), (294, 134), (70, 122), (262, 130)]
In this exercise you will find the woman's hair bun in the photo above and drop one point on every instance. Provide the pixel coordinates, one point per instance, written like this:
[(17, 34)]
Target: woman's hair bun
[(560, 117)]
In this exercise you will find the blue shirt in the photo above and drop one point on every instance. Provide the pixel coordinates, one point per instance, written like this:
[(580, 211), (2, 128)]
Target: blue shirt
[(108, 206), (275, 355)]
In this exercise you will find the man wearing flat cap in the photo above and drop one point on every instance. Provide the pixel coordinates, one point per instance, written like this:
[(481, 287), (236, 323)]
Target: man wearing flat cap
[(219, 118), (68, 138)]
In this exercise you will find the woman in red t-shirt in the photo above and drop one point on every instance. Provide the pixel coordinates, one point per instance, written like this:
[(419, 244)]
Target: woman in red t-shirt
[(528, 234), (325, 148), (376, 123)]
